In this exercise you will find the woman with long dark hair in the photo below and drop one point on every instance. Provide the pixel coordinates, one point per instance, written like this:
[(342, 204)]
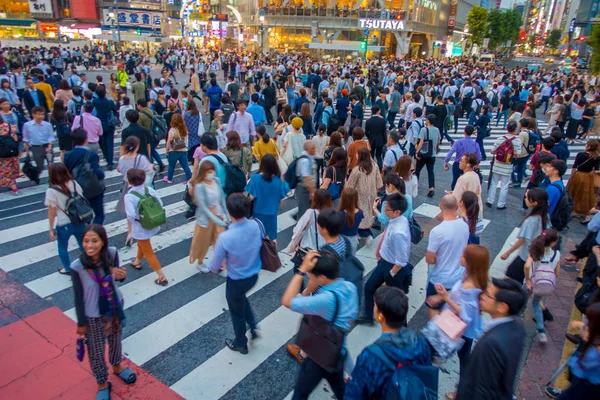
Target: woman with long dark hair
[(99, 306), (531, 227), (336, 171), (267, 189), (469, 208), (541, 251), (353, 216), (469, 181), (366, 179), (60, 123), (335, 141), (62, 186), (194, 127)]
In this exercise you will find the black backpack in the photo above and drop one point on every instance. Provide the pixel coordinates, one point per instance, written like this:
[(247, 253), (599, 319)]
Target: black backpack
[(235, 178), (83, 174), (77, 208), (334, 122), (585, 293), (351, 269), (78, 107), (562, 213)]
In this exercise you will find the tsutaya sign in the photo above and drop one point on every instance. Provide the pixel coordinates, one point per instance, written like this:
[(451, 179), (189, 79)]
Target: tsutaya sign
[(382, 24)]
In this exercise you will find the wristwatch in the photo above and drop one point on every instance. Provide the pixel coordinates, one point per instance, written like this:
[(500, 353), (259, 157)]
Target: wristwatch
[(301, 273)]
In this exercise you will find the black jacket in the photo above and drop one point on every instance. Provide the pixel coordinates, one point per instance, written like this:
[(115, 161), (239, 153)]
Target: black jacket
[(28, 100), (76, 157), (358, 112), (375, 131), (440, 112), (493, 365), (143, 134), (270, 96), (104, 107)]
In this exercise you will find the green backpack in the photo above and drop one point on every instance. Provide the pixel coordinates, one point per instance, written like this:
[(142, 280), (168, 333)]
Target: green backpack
[(152, 214)]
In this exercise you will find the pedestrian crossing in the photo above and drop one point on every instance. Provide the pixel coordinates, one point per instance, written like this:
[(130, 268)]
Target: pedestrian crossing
[(496, 132), (176, 333)]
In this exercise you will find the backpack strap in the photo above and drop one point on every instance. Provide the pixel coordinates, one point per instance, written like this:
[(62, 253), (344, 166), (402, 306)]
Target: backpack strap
[(561, 190), (377, 351)]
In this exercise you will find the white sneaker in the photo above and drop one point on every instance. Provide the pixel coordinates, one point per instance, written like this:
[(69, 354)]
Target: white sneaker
[(222, 274), (202, 268), (542, 337)]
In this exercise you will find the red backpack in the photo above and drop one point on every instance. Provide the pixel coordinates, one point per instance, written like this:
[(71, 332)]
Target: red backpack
[(506, 151)]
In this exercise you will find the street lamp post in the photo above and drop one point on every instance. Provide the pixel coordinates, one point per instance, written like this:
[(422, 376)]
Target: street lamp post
[(261, 18), (113, 13)]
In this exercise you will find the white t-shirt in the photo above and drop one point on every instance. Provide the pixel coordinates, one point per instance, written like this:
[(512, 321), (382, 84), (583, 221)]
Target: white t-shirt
[(54, 198), (448, 240)]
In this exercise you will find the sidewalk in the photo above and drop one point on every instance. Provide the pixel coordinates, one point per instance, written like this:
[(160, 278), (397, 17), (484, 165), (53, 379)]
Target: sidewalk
[(544, 360), (38, 357)]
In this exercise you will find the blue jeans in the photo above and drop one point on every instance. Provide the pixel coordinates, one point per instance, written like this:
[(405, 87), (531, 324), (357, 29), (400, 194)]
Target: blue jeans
[(500, 114), (537, 312), (479, 141), (154, 156), (174, 157), (519, 169), (63, 233), (546, 102)]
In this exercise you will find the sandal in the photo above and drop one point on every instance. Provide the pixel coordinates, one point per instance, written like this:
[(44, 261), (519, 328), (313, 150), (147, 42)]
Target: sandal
[(127, 376), (63, 271), (136, 266), (104, 394), (161, 282)]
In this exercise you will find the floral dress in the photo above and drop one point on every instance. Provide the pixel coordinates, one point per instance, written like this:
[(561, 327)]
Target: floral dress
[(366, 186), (9, 166)]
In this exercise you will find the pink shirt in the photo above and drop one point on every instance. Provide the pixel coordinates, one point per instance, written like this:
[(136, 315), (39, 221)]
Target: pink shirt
[(92, 126)]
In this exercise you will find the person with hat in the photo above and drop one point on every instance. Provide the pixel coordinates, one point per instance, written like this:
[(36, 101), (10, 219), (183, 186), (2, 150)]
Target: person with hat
[(342, 105)]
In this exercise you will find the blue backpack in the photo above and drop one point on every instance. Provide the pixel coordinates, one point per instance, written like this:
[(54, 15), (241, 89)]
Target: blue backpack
[(409, 381), (535, 141)]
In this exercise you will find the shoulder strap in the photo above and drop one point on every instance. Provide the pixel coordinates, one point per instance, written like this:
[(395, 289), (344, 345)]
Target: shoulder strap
[(218, 158), (136, 194), (377, 351), (316, 230), (262, 228), (553, 256), (557, 186)]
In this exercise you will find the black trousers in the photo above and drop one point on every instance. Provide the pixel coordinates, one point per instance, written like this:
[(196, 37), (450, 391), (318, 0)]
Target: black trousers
[(428, 162), (377, 154), (239, 307), (381, 275), (310, 375)]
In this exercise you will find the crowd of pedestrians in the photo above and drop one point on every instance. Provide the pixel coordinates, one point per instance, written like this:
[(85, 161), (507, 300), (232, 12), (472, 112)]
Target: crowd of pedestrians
[(350, 175)]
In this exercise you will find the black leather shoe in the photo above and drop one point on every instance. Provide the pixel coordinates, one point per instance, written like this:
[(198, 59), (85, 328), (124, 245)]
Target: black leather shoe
[(488, 204), (254, 334), (431, 193), (229, 343)]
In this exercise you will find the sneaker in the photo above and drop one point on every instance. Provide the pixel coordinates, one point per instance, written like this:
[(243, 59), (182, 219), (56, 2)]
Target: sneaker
[(501, 208), (202, 268), (553, 393), (166, 179), (542, 337), (222, 274), (488, 204), (15, 192)]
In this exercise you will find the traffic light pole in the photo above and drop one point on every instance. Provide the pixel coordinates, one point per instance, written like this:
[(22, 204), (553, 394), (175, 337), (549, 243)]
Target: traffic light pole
[(118, 26), (366, 43)]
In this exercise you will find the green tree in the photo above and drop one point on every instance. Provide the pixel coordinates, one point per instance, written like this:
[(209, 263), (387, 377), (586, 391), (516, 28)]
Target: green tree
[(478, 24), (553, 39), (496, 29), (513, 22), (532, 39), (594, 42)]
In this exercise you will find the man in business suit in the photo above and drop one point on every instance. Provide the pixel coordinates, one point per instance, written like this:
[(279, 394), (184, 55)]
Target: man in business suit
[(33, 97), (357, 114), (493, 365), (75, 158)]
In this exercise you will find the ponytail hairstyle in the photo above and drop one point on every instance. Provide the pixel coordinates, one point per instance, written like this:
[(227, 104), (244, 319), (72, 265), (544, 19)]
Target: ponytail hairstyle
[(539, 244), (471, 204), (131, 144)]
